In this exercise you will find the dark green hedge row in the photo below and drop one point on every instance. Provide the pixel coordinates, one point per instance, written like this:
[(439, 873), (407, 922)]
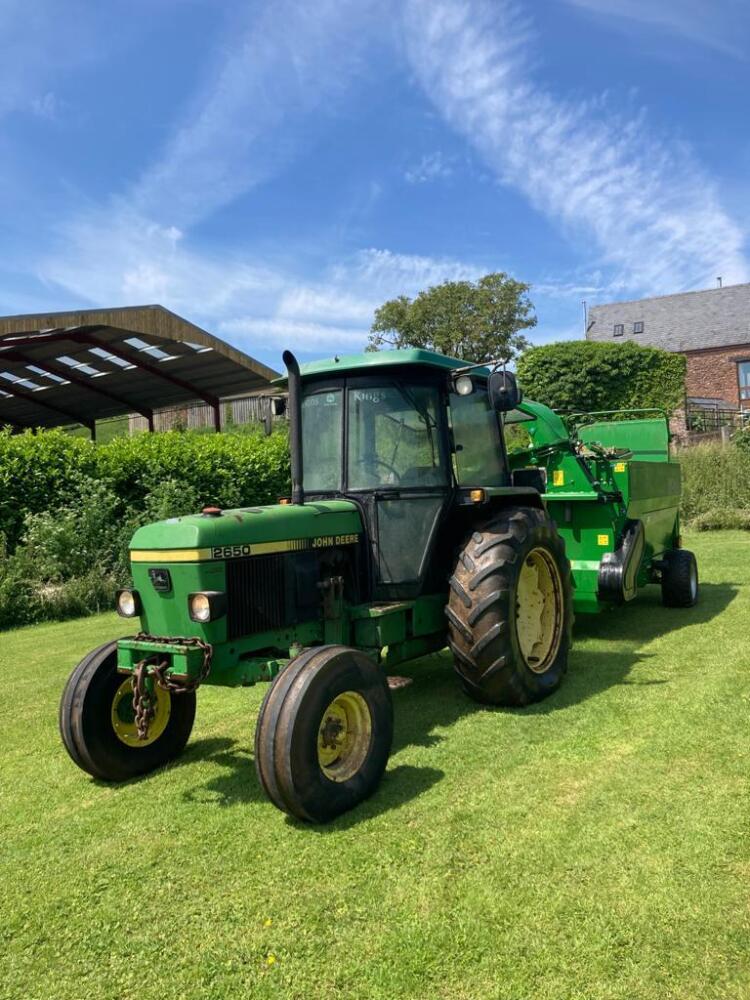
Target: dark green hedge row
[(68, 508), (715, 486), (43, 472), (583, 375)]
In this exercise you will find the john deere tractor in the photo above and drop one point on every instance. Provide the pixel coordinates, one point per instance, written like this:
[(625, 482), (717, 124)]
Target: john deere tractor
[(430, 506)]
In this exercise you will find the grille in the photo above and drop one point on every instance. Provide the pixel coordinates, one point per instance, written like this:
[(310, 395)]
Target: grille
[(256, 591)]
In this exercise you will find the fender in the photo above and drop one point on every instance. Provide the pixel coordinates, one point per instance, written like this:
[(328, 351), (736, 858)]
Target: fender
[(618, 571)]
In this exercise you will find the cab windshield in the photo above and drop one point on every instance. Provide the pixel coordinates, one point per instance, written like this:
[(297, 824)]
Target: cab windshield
[(394, 438), (322, 414)]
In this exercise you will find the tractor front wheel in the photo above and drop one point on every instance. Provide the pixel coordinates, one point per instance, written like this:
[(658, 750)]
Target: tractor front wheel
[(97, 723), (324, 733), (510, 609)]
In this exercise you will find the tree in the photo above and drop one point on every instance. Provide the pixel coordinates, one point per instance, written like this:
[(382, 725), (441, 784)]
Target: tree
[(584, 375), (474, 320)]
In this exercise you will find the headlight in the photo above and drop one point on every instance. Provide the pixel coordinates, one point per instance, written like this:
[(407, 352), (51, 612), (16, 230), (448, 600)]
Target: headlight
[(464, 385), (207, 606), (128, 603)]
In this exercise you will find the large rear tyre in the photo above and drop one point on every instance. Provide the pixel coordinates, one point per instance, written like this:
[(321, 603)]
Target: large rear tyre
[(97, 722), (510, 609), (679, 579), (324, 733)]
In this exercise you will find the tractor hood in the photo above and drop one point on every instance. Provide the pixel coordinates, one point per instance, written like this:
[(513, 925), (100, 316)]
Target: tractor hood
[(248, 531)]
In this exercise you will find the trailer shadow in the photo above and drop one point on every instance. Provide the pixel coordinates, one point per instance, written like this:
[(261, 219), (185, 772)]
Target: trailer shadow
[(594, 668), (433, 701)]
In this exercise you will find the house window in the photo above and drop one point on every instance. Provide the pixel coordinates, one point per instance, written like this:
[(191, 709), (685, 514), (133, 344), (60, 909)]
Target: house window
[(619, 329), (743, 373), (638, 327)]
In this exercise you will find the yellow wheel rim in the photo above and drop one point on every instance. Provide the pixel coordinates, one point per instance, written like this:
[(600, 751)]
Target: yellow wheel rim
[(539, 610), (123, 716), (344, 736)]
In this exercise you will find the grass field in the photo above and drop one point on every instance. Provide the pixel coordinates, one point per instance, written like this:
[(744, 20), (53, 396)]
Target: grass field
[(593, 846)]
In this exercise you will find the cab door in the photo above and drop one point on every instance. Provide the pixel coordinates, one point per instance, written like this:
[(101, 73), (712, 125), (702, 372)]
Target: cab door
[(397, 468)]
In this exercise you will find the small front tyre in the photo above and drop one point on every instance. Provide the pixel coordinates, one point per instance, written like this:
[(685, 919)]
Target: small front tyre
[(679, 579), (97, 723), (324, 733)]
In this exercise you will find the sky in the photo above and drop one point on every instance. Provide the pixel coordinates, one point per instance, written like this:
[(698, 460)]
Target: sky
[(273, 170)]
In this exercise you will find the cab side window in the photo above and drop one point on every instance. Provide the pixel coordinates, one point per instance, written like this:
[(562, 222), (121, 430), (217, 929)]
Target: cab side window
[(476, 438)]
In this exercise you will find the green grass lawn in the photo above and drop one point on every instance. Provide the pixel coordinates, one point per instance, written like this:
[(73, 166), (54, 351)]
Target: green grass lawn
[(594, 846)]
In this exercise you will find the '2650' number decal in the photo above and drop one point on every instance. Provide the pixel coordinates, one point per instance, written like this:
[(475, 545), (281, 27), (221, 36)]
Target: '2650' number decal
[(229, 551)]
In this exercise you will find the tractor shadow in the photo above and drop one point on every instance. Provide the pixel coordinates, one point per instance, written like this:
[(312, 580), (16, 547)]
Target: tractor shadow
[(433, 702), (237, 783)]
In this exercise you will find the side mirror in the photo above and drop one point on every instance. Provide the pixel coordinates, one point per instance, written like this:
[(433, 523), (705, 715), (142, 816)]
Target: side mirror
[(504, 392)]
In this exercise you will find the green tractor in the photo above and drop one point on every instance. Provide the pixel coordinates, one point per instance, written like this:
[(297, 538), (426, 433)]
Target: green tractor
[(430, 505)]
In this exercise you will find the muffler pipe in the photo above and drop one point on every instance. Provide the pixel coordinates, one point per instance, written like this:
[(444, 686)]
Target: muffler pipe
[(295, 425)]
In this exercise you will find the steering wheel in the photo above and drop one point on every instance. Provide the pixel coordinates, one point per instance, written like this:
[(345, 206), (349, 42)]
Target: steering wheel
[(385, 465)]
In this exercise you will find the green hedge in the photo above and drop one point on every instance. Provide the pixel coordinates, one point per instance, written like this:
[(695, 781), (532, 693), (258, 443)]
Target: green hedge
[(715, 483), (583, 375), (39, 472), (68, 508), (43, 471)]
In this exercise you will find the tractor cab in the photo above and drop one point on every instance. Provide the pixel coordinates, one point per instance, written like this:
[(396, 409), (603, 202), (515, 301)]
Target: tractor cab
[(407, 441)]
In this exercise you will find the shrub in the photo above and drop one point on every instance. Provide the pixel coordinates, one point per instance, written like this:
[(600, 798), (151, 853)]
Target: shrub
[(39, 472), (229, 470), (584, 375), (741, 439), (69, 508), (714, 478), (721, 520)]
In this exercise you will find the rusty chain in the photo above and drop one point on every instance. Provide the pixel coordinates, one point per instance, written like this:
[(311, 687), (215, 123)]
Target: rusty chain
[(144, 706)]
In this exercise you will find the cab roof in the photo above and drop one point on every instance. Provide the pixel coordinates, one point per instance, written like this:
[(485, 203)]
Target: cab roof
[(374, 360)]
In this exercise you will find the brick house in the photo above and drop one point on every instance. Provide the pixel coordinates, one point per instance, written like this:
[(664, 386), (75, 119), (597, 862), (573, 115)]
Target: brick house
[(711, 328)]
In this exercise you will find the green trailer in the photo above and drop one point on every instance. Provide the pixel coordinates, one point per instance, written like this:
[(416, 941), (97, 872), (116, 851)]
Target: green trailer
[(430, 506)]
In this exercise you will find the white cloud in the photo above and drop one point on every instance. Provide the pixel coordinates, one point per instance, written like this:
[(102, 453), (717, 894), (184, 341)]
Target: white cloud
[(325, 301), (431, 167), (308, 338), (295, 58), (46, 106), (406, 274), (642, 204), (711, 23), (133, 260), (120, 257)]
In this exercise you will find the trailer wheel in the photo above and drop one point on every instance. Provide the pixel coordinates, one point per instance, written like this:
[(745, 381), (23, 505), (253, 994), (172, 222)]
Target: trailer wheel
[(679, 579), (97, 727), (510, 609), (324, 733)]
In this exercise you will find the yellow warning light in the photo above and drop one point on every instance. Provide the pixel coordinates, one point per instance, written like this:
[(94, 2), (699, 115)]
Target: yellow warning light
[(558, 477), (477, 496), (284, 501), (620, 467), (602, 539)]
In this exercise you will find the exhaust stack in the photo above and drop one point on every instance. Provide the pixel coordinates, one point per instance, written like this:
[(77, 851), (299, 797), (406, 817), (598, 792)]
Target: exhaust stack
[(295, 425)]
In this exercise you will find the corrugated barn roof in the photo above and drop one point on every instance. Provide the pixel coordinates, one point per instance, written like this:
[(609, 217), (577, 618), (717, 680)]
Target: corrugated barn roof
[(78, 367)]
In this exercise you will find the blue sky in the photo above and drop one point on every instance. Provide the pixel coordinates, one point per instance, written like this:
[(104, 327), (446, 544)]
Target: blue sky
[(275, 170)]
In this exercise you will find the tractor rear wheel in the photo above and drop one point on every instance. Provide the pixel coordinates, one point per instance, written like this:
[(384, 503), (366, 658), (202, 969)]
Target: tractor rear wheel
[(97, 722), (324, 733), (510, 609), (679, 579)]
